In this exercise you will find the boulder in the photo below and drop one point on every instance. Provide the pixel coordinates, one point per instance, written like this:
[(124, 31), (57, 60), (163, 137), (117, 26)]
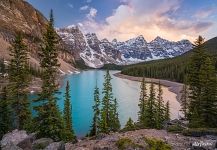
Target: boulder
[(13, 138), (26, 144), (41, 143), (56, 146), (11, 146)]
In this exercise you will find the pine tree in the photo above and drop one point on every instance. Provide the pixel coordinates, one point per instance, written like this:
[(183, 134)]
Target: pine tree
[(184, 100), (167, 111), (160, 108), (115, 123), (18, 84), (129, 125), (96, 110), (195, 86), (68, 115), (150, 113), (106, 104), (5, 113), (49, 119), (109, 115), (208, 81), (142, 103)]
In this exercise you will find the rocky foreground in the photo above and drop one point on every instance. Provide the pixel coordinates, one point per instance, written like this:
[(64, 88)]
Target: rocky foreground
[(20, 140)]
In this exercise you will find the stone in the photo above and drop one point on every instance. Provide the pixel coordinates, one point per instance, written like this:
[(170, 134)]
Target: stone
[(56, 146), (41, 143), (11, 146), (13, 137), (26, 144)]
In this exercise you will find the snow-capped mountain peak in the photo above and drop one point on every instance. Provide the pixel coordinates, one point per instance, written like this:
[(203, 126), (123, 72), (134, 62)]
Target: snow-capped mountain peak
[(96, 53)]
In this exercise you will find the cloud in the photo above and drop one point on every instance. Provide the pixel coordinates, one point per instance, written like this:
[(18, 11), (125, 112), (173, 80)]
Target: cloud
[(149, 18), (92, 14), (84, 7), (70, 5), (89, 1), (204, 13)]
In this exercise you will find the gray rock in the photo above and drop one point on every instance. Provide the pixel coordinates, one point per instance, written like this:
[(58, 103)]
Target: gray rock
[(102, 148), (41, 143), (56, 146), (13, 137), (101, 136), (26, 144), (11, 146)]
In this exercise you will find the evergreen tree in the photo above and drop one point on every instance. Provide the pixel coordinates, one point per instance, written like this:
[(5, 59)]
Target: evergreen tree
[(5, 113), (18, 84), (208, 81), (115, 123), (129, 125), (184, 100), (49, 119), (109, 115), (167, 111), (106, 104), (195, 85), (68, 115), (150, 113), (142, 103), (160, 108), (96, 110)]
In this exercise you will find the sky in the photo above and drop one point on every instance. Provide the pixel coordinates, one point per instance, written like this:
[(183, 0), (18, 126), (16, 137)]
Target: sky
[(124, 19)]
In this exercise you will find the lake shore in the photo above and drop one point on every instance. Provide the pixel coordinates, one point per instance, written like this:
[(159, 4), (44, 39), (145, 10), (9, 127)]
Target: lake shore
[(174, 87)]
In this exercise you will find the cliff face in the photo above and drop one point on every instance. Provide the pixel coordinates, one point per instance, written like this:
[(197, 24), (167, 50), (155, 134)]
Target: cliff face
[(20, 16)]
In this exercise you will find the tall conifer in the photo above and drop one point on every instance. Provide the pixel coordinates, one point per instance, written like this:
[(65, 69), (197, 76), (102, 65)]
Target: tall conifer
[(109, 115), (160, 109), (167, 111), (19, 78), (49, 119), (96, 113), (195, 85), (184, 99), (208, 81), (150, 114), (70, 135), (142, 103), (5, 113)]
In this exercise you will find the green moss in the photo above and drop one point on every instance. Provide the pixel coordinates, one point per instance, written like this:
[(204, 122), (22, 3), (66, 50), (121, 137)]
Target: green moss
[(155, 144), (175, 129), (125, 143)]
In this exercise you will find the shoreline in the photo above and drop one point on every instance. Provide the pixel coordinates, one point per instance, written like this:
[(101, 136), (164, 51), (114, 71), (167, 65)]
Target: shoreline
[(174, 87)]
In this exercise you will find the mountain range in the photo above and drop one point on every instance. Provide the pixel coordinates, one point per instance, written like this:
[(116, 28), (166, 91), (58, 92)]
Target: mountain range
[(95, 52), (76, 46)]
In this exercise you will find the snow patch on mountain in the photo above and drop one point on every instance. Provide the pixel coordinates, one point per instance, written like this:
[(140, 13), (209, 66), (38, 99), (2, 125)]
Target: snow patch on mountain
[(96, 53)]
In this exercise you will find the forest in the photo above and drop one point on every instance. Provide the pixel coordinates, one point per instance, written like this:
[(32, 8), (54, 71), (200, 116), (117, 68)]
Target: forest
[(173, 69)]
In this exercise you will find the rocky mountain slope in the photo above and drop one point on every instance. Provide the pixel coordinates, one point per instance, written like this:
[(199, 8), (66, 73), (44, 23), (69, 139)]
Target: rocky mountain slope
[(97, 52), (20, 16)]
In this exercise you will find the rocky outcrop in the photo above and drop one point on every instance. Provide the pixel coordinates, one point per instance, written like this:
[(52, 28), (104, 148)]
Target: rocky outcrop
[(96, 53), (19, 16), (19, 140)]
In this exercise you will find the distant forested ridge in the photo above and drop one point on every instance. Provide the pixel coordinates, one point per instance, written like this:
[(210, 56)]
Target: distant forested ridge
[(173, 69)]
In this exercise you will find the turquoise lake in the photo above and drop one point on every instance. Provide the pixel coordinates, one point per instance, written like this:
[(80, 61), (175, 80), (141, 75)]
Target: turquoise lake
[(127, 93)]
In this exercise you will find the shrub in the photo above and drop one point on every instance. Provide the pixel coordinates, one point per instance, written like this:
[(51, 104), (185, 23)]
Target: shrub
[(126, 143), (175, 129), (155, 144), (197, 132)]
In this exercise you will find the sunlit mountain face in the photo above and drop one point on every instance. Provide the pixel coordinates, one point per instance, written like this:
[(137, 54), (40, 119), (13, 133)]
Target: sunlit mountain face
[(124, 19)]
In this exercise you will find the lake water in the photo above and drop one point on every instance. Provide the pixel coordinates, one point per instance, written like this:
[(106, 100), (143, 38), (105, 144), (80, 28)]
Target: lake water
[(126, 91)]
